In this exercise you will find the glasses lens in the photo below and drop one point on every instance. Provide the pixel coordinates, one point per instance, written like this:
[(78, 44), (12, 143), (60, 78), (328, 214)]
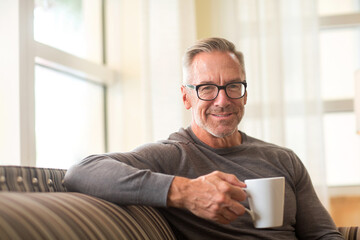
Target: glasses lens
[(207, 92), (235, 90)]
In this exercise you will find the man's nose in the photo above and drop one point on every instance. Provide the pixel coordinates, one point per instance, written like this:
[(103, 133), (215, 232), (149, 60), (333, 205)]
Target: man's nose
[(222, 99)]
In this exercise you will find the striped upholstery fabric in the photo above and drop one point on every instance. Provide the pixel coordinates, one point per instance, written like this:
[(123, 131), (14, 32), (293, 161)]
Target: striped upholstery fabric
[(76, 216), (31, 179), (34, 204), (350, 233), (59, 215)]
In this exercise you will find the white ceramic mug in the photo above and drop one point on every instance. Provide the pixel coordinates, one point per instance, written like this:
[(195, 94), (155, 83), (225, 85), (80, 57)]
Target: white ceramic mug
[(266, 199)]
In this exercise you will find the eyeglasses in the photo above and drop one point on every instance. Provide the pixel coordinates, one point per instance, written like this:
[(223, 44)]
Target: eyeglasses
[(209, 92)]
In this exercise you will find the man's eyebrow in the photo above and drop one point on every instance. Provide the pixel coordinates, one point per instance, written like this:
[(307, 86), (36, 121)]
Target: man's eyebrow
[(235, 80), (205, 82), (210, 82)]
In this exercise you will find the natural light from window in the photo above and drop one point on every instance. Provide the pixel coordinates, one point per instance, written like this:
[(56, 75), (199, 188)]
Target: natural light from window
[(71, 26), (342, 148), (335, 7), (69, 109), (338, 63), (69, 118), (339, 60)]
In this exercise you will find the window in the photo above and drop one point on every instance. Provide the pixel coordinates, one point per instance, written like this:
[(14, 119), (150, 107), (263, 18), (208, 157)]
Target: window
[(342, 146), (70, 116), (337, 77), (337, 7), (56, 82), (71, 26), (339, 59)]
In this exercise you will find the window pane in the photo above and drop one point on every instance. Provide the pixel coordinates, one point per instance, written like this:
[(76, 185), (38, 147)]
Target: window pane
[(334, 7), (69, 118), (71, 26), (342, 149), (339, 59)]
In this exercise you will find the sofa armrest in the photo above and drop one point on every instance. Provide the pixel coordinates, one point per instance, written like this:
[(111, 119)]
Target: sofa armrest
[(350, 233), (76, 216)]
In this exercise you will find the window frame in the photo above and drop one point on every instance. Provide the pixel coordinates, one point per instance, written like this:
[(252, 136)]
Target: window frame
[(331, 22), (340, 105), (32, 53)]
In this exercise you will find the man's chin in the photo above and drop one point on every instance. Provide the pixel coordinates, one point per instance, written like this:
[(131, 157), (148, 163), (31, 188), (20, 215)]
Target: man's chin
[(221, 133), (218, 129)]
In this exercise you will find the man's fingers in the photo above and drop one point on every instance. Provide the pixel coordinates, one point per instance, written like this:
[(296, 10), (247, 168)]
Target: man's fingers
[(230, 178), (230, 213), (230, 185), (225, 215), (237, 194), (237, 208)]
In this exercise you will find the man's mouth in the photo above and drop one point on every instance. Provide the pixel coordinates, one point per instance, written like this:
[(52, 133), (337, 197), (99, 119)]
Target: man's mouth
[(222, 114)]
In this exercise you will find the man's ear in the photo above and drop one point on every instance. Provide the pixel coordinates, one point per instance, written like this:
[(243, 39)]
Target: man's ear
[(185, 97), (245, 98)]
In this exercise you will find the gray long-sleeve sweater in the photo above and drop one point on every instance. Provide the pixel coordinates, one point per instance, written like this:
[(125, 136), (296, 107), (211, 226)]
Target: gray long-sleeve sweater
[(144, 176)]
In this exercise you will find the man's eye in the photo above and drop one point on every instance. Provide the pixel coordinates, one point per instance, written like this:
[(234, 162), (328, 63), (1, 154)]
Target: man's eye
[(207, 88), (234, 87)]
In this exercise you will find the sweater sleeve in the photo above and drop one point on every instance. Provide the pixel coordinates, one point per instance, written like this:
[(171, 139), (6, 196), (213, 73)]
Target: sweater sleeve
[(138, 177), (312, 219)]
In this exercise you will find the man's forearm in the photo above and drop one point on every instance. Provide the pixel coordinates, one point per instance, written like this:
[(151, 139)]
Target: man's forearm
[(115, 181)]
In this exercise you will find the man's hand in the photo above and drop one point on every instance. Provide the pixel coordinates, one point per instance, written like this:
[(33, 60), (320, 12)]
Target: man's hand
[(215, 196)]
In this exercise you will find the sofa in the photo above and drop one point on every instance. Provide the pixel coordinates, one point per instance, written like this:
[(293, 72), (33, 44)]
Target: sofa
[(34, 204)]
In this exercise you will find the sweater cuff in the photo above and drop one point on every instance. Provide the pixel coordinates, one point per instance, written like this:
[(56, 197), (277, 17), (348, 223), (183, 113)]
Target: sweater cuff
[(155, 186)]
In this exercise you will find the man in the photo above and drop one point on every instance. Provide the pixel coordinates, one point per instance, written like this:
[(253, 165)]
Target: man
[(195, 178)]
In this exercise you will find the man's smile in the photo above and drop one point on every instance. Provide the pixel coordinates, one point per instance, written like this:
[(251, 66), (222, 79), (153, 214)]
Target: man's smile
[(221, 115)]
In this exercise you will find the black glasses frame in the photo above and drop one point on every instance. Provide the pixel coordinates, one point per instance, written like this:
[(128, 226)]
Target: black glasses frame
[(196, 87)]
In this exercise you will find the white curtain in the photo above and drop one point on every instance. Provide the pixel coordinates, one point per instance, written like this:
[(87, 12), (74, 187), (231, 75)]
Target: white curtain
[(279, 39), (169, 30)]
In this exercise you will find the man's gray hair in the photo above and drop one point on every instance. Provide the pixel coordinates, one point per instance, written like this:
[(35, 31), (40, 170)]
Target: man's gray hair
[(209, 45)]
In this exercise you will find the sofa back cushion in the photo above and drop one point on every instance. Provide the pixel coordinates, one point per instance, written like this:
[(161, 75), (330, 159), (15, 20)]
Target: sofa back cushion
[(31, 179), (76, 216)]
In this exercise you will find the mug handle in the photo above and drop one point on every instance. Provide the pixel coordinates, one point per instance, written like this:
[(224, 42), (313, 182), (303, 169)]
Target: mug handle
[(252, 214)]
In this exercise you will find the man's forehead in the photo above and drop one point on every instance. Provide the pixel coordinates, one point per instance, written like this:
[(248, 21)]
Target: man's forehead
[(215, 60)]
